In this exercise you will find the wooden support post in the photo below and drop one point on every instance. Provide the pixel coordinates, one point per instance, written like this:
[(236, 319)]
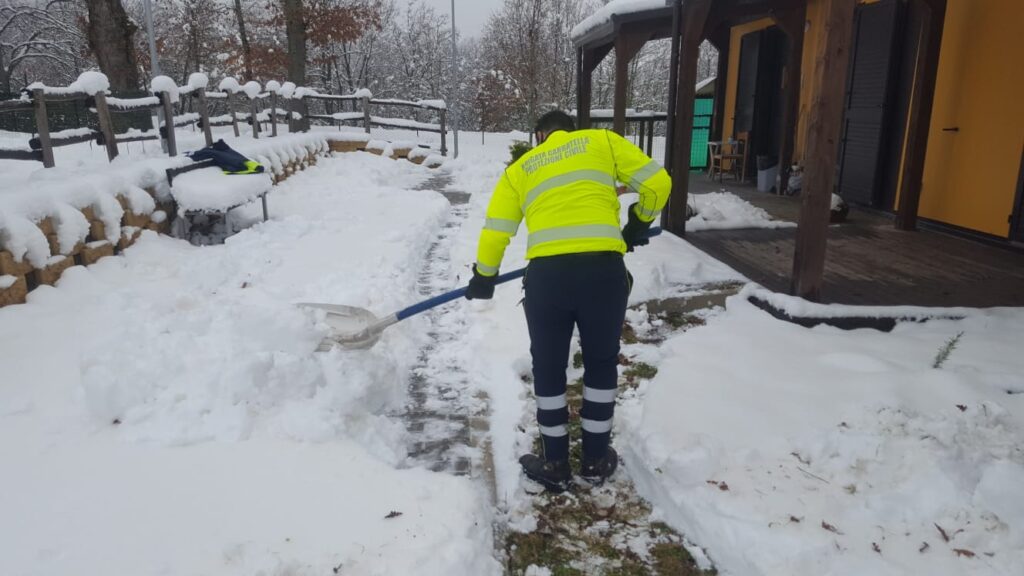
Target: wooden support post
[(792, 24), (721, 41), (106, 125), (926, 71), (580, 81), (444, 133), (585, 90), (643, 134), (627, 44), (590, 59), (673, 82), (826, 117), (694, 15), (621, 86), (273, 114), (43, 126), (231, 112), (172, 145), (650, 139), (367, 119), (253, 117), (204, 117)]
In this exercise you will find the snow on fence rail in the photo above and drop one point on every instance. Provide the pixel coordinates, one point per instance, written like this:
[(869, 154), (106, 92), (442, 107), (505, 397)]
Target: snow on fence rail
[(262, 103)]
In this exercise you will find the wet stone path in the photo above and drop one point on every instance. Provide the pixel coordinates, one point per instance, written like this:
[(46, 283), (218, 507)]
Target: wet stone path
[(445, 421)]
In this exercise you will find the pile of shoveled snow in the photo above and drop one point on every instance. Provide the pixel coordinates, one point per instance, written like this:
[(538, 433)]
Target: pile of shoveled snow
[(786, 450), (726, 211)]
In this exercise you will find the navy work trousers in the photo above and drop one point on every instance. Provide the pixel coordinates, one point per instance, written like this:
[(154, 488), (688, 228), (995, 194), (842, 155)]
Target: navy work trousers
[(588, 291)]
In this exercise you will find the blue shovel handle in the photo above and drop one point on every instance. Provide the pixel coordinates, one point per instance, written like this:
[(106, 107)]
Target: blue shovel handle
[(461, 292)]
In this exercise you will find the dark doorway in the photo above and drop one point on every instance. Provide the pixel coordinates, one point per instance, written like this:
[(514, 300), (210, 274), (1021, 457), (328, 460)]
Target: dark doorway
[(870, 97), (758, 98)]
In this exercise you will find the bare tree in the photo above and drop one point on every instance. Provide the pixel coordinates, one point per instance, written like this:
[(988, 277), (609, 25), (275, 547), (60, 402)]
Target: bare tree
[(40, 38), (244, 39), (111, 39), (295, 30)]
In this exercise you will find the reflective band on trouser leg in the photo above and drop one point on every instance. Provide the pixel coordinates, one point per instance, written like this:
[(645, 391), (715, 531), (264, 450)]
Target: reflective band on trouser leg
[(565, 180), (596, 426), (573, 233), (485, 269), (551, 402), (599, 396), (554, 431), (502, 225)]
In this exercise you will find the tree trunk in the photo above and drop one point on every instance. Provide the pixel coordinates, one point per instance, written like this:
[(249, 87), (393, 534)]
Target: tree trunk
[(295, 28), (110, 34), (246, 50)]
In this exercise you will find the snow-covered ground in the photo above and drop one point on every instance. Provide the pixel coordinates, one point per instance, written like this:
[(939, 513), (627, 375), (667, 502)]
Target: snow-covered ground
[(165, 412), (785, 450)]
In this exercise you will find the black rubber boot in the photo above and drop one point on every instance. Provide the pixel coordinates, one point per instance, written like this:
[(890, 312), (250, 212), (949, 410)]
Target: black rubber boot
[(554, 475), (596, 471)]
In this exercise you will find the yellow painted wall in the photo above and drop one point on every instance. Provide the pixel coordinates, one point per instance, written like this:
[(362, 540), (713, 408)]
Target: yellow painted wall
[(970, 176)]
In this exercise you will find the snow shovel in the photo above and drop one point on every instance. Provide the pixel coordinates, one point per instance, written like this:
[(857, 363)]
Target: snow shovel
[(358, 329)]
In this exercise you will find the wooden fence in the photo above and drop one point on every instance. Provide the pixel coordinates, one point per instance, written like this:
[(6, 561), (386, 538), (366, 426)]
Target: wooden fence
[(262, 108)]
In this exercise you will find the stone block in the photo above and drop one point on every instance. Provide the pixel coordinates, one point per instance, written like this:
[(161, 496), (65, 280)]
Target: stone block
[(9, 266), (341, 146), (93, 251), (15, 293), (51, 272)]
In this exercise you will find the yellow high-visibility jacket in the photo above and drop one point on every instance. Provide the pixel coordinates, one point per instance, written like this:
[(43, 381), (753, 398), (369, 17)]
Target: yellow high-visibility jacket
[(565, 188)]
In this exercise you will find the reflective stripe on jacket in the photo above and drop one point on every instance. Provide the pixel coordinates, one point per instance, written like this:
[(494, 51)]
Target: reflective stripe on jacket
[(565, 188)]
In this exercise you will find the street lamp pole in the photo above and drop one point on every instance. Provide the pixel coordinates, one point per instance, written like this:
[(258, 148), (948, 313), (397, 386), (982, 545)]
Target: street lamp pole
[(455, 88), (154, 66)]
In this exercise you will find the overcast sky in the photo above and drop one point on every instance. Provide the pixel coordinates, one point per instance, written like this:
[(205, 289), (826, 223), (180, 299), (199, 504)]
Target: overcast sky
[(470, 15)]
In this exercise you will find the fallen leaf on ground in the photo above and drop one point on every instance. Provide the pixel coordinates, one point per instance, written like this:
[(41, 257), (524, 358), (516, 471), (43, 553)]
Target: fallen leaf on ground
[(964, 553), (830, 527)]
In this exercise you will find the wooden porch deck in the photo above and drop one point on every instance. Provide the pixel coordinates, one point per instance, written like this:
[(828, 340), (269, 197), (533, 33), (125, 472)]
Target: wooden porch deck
[(868, 261)]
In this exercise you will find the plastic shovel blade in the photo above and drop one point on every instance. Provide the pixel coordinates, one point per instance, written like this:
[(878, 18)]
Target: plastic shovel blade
[(351, 327)]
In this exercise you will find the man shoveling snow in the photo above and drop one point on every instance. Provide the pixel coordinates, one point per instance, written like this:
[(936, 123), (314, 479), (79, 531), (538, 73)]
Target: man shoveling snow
[(565, 189)]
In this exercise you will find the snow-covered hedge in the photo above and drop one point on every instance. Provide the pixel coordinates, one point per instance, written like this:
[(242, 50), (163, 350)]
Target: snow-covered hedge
[(62, 195)]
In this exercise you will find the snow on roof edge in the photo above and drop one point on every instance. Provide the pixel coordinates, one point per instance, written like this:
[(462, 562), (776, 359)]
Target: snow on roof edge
[(604, 15)]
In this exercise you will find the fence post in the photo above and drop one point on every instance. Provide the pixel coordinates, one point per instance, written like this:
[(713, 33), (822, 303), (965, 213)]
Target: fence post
[(650, 139), (273, 114), (172, 145), (43, 126), (444, 133), (231, 111), (252, 118), (106, 126), (366, 114), (204, 117)]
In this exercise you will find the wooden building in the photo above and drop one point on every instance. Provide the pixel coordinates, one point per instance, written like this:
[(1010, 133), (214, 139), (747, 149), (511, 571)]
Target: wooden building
[(912, 107)]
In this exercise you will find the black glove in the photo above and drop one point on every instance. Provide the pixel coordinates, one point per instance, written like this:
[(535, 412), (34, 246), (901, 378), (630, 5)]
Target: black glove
[(635, 232), (480, 287)]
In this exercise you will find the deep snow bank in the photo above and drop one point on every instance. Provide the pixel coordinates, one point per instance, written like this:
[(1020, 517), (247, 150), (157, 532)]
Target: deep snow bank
[(843, 453)]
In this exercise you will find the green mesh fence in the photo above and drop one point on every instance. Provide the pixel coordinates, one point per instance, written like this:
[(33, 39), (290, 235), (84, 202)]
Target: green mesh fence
[(703, 109)]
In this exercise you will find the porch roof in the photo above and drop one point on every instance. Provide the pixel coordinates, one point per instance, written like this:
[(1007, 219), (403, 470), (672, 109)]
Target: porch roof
[(601, 27)]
